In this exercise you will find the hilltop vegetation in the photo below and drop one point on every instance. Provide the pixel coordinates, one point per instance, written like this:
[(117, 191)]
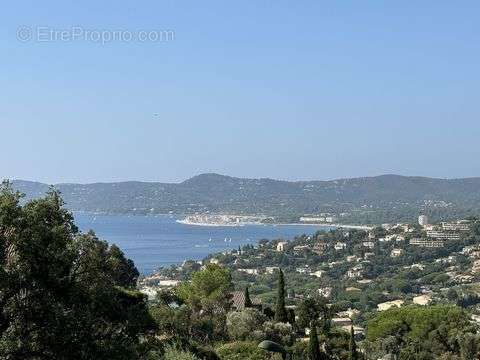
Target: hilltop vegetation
[(378, 199)]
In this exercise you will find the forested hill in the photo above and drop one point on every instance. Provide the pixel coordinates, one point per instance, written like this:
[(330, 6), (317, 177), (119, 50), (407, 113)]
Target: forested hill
[(387, 197)]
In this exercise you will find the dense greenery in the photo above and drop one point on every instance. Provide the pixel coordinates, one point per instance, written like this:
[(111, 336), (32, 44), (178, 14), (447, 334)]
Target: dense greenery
[(68, 295), (363, 200), (416, 332), (64, 295)]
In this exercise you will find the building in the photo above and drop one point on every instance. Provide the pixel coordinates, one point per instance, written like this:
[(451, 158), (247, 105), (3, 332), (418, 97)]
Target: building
[(462, 225), (325, 291), (355, 272), (423, 220), (281, 246), (317, 273), (369, 244), (422, 299), (389, 304), (443, 235), (340, 246), (426, 243), (249, 271), (319, 247), (300, 248), (238, 300), (271, 269), (396, 252), (341, 321)]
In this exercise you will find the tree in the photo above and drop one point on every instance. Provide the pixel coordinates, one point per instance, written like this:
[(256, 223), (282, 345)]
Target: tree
[(313, 344), (245, 325), (280, 310), (353, 353), (61, 296), (208, 295), (248, 301), (209, 289)]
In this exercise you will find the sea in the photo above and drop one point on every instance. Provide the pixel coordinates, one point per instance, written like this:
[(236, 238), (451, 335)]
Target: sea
[(158, 241)]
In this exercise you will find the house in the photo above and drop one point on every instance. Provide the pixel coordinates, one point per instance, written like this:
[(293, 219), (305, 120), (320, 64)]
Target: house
[(365, 281), (281, 246), (351, 289), (355, 272), (368, 255), (369, 244), (300, 248), (238, 300), (249, 271), (426, 243), (443, 235), (396, 252), (389, 304), (301, 270), (422, 299), (325, 291), (271, 269), (350, 313), (351, 258), (340, 245), (341, 321), (319, 247), (317, 273)]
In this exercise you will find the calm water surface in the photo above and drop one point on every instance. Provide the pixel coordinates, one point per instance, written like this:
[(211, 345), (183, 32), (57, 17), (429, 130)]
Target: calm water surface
[(155, 241)]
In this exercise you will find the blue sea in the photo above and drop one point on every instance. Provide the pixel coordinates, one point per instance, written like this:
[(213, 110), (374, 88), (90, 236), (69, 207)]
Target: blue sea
[(157, 241)]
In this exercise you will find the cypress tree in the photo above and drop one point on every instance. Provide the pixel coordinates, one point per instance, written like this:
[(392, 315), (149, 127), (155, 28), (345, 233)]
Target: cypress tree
[(353, 355), (313, 344), (280, 311), (248, 302)]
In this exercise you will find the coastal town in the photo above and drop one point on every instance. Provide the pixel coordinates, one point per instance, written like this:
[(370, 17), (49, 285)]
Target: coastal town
[(362, 272)]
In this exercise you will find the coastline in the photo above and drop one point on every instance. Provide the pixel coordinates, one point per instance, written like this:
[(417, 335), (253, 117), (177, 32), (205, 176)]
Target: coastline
[(339, 226)]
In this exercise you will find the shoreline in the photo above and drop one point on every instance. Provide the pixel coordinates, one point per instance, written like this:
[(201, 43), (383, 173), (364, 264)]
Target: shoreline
[(338, 226)]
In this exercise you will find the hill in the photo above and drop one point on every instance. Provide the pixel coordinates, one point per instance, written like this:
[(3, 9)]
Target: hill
[(377, 199)]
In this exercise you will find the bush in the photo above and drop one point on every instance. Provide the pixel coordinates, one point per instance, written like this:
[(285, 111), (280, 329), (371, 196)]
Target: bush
[(242, 350), (175, 353), (242, 325)]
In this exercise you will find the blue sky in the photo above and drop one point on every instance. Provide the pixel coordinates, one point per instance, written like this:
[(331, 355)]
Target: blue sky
[(288, 90)]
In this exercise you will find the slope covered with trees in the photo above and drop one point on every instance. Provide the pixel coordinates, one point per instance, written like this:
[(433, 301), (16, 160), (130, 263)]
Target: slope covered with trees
[(372, 199)]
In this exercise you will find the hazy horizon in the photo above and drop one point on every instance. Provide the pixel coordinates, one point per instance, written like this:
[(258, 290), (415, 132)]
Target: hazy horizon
[(239, 177)]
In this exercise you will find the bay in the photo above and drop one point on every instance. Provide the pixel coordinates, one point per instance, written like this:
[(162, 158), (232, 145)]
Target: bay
[(156, 241)]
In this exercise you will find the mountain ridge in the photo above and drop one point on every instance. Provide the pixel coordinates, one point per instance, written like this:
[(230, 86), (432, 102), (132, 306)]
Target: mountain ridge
[(388, 197)]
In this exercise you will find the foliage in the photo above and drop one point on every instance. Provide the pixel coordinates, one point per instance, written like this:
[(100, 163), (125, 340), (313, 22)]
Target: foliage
[(280, 311), (63, 294), (242, 350), (245, 324), (313, 344), (176, 353), (433, 330)]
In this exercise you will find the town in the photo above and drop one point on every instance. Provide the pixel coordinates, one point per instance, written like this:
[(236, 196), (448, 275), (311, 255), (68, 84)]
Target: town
[(358, 273)]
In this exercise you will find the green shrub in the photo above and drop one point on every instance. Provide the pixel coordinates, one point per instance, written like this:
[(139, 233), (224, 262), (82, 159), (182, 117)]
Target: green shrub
[(241, 350), (175, 353)]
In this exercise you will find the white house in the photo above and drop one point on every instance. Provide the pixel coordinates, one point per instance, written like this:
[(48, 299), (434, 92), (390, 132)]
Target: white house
[(281, 245)]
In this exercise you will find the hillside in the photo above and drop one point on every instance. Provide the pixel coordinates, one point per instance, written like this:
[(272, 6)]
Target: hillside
[(368, 199)]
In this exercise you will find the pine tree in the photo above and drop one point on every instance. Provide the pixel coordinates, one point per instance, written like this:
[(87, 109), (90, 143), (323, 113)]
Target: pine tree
[(248, 302), (313, 344), (353, 355), (280, 311)]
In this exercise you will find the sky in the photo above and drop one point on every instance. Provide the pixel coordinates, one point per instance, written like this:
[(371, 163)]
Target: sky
[(281, 89)]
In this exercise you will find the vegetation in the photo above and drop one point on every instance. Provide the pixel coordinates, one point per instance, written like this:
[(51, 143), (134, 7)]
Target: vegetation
[(64, 295), (372, 200), (69, 295)]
